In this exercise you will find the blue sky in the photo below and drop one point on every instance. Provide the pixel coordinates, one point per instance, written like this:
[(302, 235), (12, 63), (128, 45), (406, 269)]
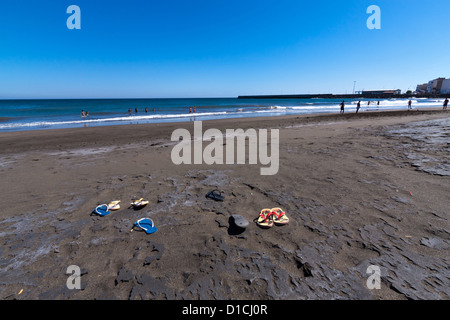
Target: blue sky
[(218, 48)]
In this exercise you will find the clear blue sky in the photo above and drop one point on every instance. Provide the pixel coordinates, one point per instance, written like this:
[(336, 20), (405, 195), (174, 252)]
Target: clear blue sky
[(218, 48)]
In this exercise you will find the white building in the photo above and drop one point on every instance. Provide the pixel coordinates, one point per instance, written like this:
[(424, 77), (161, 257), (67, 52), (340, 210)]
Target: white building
[(434, 86), (445, 88)]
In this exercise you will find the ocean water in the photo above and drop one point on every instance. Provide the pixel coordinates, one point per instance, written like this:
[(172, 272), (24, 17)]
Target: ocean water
[(19, 115)]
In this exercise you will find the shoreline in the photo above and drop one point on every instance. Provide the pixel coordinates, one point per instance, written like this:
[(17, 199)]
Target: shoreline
[(80, 137), (359, 190)]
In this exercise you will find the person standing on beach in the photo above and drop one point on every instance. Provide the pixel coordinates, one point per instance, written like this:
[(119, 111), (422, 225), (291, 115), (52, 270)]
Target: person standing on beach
[(342, 106), (409, 105), (445, 104), (358, 106)]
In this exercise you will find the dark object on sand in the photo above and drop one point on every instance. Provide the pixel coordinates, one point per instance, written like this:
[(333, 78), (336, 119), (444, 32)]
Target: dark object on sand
[(215, 195)]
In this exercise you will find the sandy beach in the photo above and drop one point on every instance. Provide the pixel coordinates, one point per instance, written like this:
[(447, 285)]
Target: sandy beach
[(359, 190)]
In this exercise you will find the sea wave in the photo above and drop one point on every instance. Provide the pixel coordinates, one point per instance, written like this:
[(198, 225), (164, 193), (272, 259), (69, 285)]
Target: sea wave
[(112, 119)]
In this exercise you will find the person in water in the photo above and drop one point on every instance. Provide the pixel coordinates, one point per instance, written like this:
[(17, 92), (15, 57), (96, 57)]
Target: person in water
[(83, 114), (409, 105), (358, 106), (342, 106)]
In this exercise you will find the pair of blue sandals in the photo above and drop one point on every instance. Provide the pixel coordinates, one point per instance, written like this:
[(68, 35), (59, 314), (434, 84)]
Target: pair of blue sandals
[(145, 224)]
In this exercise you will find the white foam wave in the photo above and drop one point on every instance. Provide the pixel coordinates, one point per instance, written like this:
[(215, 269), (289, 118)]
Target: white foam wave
[(100, 120)]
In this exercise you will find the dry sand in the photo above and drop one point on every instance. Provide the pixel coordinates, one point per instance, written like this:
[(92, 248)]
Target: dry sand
[(360, 190)]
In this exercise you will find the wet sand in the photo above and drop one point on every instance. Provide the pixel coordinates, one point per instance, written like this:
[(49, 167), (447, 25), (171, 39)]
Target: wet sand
[(360, 190)]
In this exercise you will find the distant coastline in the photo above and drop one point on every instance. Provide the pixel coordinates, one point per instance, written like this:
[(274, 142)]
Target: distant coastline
[(345, 96)]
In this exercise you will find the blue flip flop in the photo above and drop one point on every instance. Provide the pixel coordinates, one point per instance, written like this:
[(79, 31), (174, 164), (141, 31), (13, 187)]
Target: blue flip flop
[(102, 210), (146, 224)]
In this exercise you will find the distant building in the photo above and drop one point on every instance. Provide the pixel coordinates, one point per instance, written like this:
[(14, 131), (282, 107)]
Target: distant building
[(398, 91), (422, 88), (445, 88), (434, 86)]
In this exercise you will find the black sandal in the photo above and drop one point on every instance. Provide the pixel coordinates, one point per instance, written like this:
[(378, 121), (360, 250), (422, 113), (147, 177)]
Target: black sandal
[(215, 195)]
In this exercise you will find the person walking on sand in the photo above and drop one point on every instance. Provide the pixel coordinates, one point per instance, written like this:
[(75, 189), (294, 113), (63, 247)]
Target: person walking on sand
[(358, 106), (342, 106), (445, 104)]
